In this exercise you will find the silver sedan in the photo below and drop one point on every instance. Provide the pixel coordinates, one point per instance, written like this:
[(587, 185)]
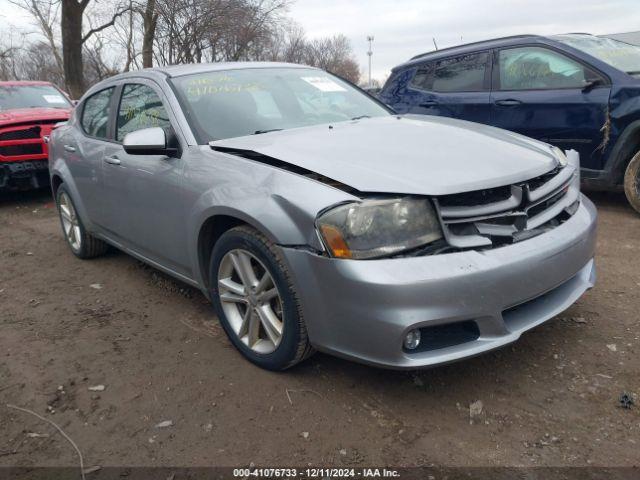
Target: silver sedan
[(314, 218)]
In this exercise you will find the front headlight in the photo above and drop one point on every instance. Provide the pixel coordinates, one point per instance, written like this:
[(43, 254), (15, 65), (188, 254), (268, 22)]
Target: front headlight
[(377, 228)]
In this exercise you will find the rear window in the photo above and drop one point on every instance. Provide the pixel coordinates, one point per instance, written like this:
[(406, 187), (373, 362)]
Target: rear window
[(460, 74)]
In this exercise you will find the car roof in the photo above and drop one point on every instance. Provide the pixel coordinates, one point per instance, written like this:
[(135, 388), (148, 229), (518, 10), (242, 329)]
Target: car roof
[(23, 83), (188, 69), (475, 46), (160, 73)]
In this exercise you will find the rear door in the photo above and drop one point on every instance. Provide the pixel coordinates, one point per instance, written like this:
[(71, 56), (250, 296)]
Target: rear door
[(457, 87), (144, 191), (85, 148), (543, 93)]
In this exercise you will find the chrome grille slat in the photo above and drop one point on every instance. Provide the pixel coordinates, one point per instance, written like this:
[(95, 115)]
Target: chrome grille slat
[(554, 211), (563, 177), (461, 212), (527, 209)]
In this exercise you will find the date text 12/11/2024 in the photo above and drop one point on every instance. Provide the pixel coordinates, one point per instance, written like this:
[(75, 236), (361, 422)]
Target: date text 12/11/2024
[(315, 473)]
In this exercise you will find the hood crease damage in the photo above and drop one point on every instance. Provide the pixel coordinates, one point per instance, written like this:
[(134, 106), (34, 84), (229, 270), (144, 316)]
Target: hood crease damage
[(399, 155)]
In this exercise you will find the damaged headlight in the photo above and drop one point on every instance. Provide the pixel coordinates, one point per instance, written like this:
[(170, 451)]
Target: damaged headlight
[(377, 228)]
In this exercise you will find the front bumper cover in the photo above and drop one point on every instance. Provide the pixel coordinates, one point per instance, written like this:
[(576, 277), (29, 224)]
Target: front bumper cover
[(22, 175), (363, 309)]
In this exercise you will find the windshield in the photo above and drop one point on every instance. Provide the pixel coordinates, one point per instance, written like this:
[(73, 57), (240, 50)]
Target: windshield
[(31, 96), (621, 55), (234, 103)]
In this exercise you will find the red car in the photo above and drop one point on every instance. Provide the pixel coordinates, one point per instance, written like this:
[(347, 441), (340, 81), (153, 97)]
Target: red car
[(28, 113)]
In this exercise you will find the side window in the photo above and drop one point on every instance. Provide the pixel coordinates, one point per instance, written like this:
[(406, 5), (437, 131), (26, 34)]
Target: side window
[(460, 74), (536, 68), (140, 107), (423, 79), (95, 113)]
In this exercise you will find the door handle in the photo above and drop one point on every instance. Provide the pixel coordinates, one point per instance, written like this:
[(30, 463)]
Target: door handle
[(509, 102), (114, 160), (70, 148), (429, 103)]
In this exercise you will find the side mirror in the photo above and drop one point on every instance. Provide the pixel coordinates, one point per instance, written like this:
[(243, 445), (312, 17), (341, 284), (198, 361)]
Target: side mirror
[(591, 84), (148, 141)]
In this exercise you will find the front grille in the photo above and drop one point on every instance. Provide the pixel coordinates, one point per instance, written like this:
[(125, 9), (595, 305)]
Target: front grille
[(478, 197), (498, 216), (21, 149), (22, 134)]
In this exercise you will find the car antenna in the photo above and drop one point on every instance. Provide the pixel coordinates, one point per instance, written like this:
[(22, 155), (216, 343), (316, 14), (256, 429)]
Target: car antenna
[(434, 43)]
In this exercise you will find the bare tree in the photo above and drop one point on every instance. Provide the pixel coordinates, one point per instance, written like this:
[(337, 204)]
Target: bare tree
[(97, 39), (334, 54), (150, 22), (8, 54), (73, 40), (45, 12)]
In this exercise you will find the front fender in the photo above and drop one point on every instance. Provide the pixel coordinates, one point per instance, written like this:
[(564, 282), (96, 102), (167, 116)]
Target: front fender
[(280, 204)]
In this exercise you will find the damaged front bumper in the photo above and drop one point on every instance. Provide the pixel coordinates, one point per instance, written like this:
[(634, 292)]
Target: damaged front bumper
[(24, 175), (464, 303)]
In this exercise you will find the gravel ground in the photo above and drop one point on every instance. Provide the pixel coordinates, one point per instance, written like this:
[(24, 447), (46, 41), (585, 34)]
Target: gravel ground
[(67, 325)]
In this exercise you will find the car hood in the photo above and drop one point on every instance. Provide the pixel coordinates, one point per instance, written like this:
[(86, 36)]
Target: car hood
[(409, 154), (25, 115)]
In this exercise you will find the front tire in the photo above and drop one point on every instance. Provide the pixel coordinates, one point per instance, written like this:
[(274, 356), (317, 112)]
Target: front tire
[(632, 182), (82, 244), (256, 301)]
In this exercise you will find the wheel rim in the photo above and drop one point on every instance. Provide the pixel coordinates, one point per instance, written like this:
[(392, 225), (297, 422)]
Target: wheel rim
[(251, 301), (70, 223)]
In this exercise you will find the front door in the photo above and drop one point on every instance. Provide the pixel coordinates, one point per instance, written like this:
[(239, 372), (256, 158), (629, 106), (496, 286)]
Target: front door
[(144, 191), (546, 95)]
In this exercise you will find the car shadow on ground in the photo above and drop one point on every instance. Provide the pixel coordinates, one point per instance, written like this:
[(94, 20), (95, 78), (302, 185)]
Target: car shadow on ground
[(610, 200), (25, 198)]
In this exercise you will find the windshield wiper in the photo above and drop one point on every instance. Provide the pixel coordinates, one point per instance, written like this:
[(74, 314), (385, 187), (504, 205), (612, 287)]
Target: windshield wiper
[(258, 132), (361, 116)]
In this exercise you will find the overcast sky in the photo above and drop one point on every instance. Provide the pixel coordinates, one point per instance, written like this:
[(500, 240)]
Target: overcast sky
[(404, 28)]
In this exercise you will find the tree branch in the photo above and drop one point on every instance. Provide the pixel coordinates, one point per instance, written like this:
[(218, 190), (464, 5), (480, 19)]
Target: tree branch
[(106, 25)]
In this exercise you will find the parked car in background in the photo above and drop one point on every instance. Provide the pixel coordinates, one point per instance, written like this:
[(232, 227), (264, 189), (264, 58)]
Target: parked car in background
[(574, 91), (314, 218), (29, 110)]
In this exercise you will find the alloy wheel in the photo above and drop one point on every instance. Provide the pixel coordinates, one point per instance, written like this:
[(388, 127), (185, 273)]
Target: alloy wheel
[(251, 301), (70, 223)]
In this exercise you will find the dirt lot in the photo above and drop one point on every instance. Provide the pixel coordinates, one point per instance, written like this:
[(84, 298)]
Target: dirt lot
[(66, 325)]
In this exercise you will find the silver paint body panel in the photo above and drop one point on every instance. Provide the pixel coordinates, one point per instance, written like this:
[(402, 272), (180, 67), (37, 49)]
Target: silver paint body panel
[(363, 310), (423, 155)]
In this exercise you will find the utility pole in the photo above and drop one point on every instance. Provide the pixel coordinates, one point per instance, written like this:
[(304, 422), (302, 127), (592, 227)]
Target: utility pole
[(370, 53)]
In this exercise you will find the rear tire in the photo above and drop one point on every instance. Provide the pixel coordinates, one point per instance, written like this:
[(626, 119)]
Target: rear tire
[(257, 305), (82, 244), (632, 182)]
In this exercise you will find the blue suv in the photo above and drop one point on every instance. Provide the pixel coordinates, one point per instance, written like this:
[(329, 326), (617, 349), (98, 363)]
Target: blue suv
[(575, 91)]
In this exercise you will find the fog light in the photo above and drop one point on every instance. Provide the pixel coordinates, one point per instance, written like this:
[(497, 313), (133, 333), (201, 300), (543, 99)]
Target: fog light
[(412, 340)]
